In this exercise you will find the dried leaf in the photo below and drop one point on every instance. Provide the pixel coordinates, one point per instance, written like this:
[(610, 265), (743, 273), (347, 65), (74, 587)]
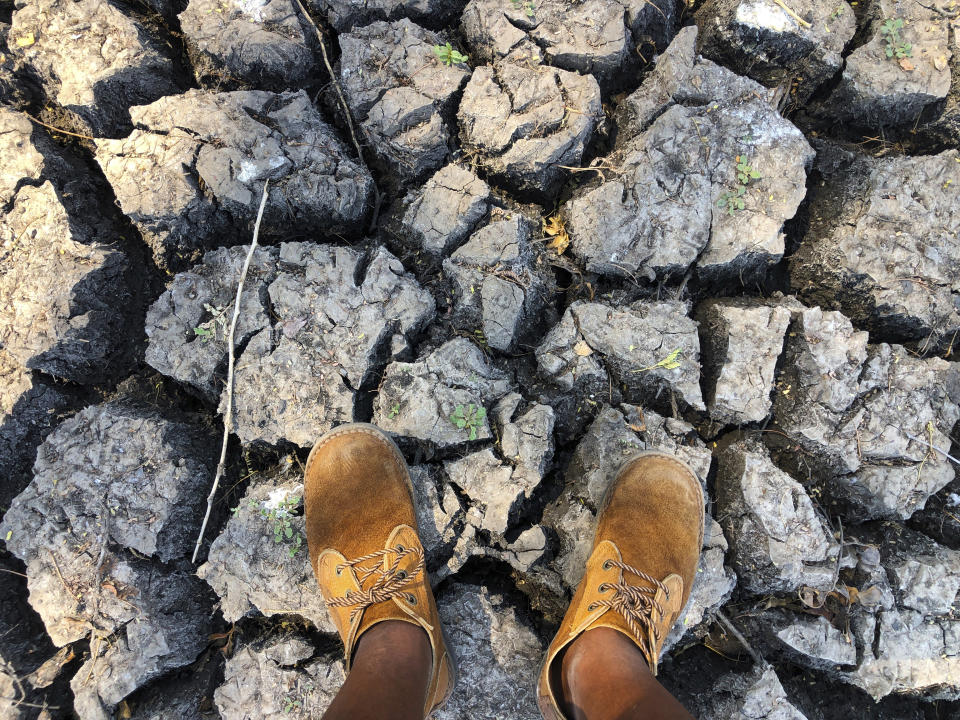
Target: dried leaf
[(26, 40), (811, 597), (940, 62), (555, 228), (582, 349), (907, 65), (123, 711)]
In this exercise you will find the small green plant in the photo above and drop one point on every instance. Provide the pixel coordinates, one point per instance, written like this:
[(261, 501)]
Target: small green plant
[(529, 8), (216, 325), (448, 56), (395, 410), (469, 418), (745, 173), (732, 201), (896, 47), (281, 522), (290, 704)]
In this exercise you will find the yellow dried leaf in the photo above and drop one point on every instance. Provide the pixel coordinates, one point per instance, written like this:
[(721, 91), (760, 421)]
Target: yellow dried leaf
[(582, 349), (907, 65), (560, 240), (26, 41), (940, 62)]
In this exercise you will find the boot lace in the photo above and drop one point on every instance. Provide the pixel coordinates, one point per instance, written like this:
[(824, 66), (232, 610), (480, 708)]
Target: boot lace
[(387, 583), (635, 603)]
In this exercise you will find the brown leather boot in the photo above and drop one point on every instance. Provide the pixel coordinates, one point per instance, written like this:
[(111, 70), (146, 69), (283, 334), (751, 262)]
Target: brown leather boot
[(366, 554), (645, 555)]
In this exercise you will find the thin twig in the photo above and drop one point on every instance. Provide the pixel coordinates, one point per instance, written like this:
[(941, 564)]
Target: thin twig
[(228, 416), (943, 452), (59, 130), (333, 79), (791, 13), (740, 638)]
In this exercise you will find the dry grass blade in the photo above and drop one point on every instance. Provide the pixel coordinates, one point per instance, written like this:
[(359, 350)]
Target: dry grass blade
[(228, 416), (791, 13)]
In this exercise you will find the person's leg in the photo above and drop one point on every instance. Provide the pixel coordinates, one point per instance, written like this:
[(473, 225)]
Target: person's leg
[(604, 676), (602, 663), (389, 677), (370, 565)]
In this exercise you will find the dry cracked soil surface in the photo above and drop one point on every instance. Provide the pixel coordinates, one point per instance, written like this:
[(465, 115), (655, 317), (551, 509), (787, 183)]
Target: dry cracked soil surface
[(528, 238)]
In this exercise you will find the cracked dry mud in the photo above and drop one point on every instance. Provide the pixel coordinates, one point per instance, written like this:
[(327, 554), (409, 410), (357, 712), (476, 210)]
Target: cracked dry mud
[(725, 230)]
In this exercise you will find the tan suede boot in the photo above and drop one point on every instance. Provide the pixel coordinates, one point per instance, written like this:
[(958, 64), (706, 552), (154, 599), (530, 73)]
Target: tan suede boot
[(366, 554), (638, 577)]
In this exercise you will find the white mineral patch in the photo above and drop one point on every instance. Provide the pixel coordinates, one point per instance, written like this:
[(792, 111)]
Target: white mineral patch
[(253, 8), (765, 14), (278, 497)]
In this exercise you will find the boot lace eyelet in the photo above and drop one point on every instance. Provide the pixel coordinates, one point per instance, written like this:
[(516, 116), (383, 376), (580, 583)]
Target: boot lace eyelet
[(606, 565), (402, 574), (400, 548), (412, 599), (591, 607), (603, 588), (339, 571)]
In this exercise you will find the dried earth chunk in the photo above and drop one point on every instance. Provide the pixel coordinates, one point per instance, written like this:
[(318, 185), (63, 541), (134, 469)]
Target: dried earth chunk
[(116, 476), (254, 565), (650, 348), (504, 655), (711, 181), (30, 407), (761, 39), (757, 695), (741, 342), (401, 93), (863, 415), (523, 123), (882, 245), (263, 43), (146, 473), (779, 542), (442, 398), (284, 678), (592, 38), (904, 635), (198, 305), (439, 216), (67, 298), (192, 173), (93, 59), (495, 283), (498, 490), (329, 335), (892, 77)]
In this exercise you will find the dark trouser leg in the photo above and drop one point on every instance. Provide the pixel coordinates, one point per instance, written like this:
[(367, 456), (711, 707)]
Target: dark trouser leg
[(605, 677), (388, 681)]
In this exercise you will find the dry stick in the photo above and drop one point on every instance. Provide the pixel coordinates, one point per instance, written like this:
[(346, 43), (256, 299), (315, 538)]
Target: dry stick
[(333, 79), (228, 416), (346, 109), (943, 452), (791, 13), (59, 130), (740, 638)]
